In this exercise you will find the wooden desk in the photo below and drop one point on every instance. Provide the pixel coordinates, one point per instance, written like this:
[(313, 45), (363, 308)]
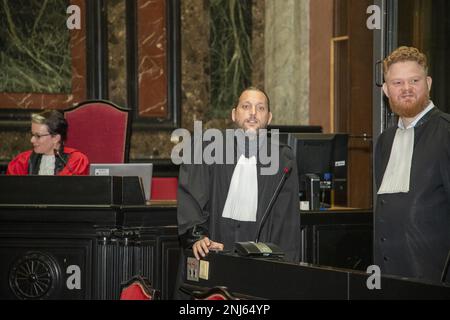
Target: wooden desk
[(90, 230), (163, 203), (101, 246), (266, 279), (341, 238)]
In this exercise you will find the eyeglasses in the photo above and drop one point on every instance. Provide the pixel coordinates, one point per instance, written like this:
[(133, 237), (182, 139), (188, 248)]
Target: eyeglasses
[(38, 136)]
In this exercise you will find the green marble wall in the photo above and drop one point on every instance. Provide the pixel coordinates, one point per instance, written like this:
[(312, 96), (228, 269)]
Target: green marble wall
[(230, 51), (195, 82), (12, 143), (34, 47), (196, 68), (117, 73)]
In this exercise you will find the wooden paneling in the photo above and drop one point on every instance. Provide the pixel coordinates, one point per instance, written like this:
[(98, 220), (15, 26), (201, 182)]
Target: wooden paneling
[(353, 95), (321, 32), (360, 111)]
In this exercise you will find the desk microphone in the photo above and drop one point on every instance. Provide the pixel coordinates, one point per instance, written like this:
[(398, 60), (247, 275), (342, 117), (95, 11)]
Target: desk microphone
[(286, 172), (57, 154), (444, 272), (257, 248)]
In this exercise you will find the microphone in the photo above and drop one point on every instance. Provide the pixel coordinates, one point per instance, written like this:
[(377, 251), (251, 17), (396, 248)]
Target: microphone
[(57, 154), (444, 272), (257, 248), (286, 172)]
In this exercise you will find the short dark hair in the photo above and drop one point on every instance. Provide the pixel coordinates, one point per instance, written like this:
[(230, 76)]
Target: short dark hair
[(253, 88), (54, 120)]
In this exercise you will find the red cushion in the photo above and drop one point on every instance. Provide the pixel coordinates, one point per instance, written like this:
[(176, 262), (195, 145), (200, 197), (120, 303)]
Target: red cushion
[(134, 292), (215, 293), (98, 130), (216, 296), (164, 188)]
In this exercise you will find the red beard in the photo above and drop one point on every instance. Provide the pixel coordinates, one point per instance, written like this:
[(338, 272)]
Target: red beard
[(409, 109)]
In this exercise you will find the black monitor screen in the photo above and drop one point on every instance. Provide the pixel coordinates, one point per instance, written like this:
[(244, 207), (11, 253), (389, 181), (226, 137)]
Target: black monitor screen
[(314, 153), (324, 155)]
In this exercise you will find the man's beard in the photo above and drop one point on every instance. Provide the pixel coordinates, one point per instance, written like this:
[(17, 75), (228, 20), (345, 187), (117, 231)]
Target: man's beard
[(409, 109)]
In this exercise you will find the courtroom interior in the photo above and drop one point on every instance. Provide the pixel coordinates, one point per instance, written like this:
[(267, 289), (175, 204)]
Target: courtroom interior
[(127, 75)]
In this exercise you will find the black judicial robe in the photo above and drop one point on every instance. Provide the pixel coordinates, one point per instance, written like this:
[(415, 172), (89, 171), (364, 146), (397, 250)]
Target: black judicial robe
[(412, 230), (202, 193)]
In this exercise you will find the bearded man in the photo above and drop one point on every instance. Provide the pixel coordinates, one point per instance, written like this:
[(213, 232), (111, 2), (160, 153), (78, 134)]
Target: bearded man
[(412, 175), (221, 204)]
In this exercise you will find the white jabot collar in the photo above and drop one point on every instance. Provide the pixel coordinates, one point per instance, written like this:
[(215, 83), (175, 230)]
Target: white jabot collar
[(242, 199), (397, 176), (47, 165)]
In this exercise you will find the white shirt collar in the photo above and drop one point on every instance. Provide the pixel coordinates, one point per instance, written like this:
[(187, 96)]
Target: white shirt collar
[(418, 117)]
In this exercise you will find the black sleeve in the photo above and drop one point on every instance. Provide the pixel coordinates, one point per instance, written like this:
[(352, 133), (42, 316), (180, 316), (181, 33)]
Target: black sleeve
[(445, 161), (193, 203), (377, 163), (382, 154)]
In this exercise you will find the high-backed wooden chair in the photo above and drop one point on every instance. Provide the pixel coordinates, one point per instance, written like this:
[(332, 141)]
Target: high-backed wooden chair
[(138, 288), (99, 129)]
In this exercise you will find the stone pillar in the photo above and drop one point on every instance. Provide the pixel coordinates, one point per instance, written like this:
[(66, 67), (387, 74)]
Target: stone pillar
[(287, 60)]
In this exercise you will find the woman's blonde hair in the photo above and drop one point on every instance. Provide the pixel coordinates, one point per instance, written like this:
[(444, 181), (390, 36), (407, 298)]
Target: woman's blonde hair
[(54, 120)]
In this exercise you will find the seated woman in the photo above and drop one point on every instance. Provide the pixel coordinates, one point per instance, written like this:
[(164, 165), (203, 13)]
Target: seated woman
[(49, 156)]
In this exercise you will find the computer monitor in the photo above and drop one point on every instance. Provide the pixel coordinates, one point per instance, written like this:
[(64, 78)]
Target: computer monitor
[(142, 170), (295, 129), (324, 156)]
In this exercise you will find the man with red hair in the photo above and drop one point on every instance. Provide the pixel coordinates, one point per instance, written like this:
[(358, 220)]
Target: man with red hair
[(412, 172)]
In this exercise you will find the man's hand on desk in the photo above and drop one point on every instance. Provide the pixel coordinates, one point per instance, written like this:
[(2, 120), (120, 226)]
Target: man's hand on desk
[(203, 246)]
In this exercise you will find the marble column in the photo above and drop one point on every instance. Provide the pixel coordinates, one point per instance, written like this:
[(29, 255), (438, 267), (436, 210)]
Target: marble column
[(287, 60)]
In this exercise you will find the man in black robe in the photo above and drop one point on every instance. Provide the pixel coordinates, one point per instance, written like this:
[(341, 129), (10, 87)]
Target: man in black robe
[(412, 172), (221, 204)]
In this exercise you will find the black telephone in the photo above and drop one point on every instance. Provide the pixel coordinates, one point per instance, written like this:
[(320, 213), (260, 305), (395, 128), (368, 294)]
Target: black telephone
[(258, 249)]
